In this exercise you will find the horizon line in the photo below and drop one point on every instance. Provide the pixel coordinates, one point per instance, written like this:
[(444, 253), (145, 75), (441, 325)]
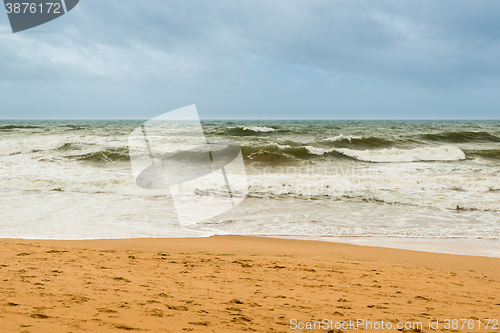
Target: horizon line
[(270, 119)]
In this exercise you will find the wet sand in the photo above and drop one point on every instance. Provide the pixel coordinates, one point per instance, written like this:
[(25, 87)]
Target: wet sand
[(235, 283)]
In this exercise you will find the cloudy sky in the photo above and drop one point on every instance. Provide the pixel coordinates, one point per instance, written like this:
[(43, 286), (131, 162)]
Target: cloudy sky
[(279, 59)]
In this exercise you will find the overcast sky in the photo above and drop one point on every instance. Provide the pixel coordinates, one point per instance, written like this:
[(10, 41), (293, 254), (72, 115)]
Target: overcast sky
[(276, 59)]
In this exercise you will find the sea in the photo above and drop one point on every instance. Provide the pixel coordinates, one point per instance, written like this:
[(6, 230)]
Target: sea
[(419, 185)]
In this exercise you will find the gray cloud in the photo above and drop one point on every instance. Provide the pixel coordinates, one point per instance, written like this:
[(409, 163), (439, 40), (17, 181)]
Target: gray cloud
[(205, 46)]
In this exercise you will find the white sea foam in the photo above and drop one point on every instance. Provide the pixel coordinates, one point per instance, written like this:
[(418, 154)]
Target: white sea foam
[(341, 137), (63, 215), (15, 145), (48, 192), (262, 129), (419, 185), (318, 151), (351, 218), (444, 153), (280, 146)]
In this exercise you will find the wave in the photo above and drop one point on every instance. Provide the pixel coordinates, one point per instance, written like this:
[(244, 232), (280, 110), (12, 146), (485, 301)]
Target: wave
[(12, 127), (273, 153), (107, 156), (489, 154), (276, 153), (341, 141), (70, 146), (74, 127), (270, 157), (249, 131), (444, 153), (342, 137), (280, 153), (458, 191), (259, 129), (461, 137)]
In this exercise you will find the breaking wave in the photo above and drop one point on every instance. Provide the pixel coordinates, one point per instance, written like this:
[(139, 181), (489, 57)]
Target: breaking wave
[(106, 156), (489, 154), (341, 141), (278, 153), (250, 131), (12, 127), (461, 137), (444, 153)]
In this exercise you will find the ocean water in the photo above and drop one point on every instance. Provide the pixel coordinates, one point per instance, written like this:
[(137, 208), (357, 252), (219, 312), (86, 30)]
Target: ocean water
[(390, 183)]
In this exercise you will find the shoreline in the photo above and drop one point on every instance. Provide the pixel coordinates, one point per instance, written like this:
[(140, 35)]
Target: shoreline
[(476, 247), (252, 245), (234, 283)]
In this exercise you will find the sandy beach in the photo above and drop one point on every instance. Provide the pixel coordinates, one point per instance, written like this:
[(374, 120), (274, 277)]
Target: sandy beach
[(235, 283), (252, 166)]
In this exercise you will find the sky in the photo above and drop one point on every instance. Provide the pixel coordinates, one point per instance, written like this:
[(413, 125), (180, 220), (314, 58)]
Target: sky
[(258, 59)]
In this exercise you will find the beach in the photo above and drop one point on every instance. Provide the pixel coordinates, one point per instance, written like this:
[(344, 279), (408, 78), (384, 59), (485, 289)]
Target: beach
[(238, 283), (347, 225), (257, 166)]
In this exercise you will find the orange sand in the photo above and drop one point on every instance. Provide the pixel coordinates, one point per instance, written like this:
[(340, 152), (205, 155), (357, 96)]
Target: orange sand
[(232, 284)]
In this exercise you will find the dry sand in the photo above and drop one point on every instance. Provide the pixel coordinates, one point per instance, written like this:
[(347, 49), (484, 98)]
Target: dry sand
[(233, 284)]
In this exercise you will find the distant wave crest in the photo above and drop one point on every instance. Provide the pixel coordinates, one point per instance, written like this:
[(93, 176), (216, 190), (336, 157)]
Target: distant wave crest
[(462, 137), (13, 127), (342, 141), (250, 131)]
